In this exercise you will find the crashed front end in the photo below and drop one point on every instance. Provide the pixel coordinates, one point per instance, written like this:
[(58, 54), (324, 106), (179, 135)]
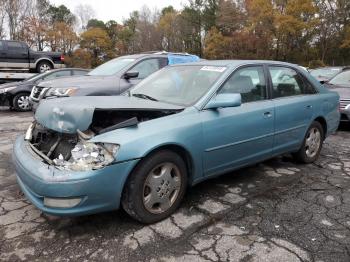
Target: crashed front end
[(71, 152), (57, 189), (60, 169)]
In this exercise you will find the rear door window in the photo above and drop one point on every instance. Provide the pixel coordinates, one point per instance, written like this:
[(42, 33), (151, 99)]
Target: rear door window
[(14, 46), (288, 82), (285, 81)]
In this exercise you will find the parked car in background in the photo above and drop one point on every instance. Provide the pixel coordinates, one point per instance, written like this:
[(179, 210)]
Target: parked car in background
[(110, 78), (16, 94), (326, 73), (178, 127), (15, 55), (341, 84)]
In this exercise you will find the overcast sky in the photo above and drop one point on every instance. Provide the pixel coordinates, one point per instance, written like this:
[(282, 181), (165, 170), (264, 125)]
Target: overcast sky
[(118, 9)]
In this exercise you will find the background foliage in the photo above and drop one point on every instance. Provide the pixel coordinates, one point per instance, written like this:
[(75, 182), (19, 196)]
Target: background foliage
[(308, 32)]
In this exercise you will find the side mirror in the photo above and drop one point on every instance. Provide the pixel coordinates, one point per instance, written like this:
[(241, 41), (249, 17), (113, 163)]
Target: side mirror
[(224, 100), (323, 82), (131, 74)]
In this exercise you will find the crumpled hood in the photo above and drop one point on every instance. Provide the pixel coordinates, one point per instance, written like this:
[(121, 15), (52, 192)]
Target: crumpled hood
[(79, 82), (66, 115)]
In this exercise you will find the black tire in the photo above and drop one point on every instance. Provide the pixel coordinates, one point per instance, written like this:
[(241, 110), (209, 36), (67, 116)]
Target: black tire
[(134, 194), (20, 102), (302, 156), (43, 66)]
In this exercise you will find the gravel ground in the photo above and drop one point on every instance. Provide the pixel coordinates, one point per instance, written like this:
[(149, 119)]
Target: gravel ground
[(274, 211)]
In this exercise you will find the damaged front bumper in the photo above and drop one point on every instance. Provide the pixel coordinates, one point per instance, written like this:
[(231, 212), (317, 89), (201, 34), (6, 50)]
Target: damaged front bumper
[(98, 190)]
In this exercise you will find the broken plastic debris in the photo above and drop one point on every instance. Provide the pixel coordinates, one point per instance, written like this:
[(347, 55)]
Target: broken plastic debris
[(85, 156), (59, 161)]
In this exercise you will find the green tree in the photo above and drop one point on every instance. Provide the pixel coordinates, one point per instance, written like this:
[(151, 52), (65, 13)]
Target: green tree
[(216, 45), (95, 23), (169, 27), (61, 14), (96, 41), (113, 29)]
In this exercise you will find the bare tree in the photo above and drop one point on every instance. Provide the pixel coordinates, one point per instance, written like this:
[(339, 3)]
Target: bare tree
[(16, 11), (2, 18), (148, 36), (84, 12)]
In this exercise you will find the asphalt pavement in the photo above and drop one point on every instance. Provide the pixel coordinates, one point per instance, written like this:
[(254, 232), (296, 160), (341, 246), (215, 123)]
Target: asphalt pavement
[(274, 211)]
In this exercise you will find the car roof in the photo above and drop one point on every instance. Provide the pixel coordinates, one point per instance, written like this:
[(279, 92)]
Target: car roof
[(235, 63), (153, 54)]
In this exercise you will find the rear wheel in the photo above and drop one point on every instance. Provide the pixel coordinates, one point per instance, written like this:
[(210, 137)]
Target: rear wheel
[(156, 187), (21, 102), (43, 66), (312, 144)]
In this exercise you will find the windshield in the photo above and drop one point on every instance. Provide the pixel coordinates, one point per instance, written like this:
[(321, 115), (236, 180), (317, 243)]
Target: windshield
[(325, 72), (342, 79), (111, 67), (180, 85)]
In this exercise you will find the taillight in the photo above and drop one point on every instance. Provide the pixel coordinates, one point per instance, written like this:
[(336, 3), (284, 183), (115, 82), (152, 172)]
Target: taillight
[(62, 58)]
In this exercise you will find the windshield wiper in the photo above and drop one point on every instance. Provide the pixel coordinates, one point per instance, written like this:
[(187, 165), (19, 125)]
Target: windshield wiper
[(143, 96)]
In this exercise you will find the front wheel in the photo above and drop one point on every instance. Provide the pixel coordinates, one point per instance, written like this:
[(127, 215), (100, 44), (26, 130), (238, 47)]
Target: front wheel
[(156, 187), (312, 144), (21, 102)]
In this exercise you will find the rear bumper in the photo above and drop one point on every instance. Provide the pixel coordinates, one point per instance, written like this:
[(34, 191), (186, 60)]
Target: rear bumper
[(99, 190), (58, 66)]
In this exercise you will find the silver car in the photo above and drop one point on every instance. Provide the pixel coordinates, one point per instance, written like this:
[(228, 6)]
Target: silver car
[(341, 84)]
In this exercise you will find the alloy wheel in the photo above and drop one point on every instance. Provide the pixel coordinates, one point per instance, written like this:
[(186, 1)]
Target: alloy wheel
[(312, 142), (161, 188), (44, 67), (23, 102)]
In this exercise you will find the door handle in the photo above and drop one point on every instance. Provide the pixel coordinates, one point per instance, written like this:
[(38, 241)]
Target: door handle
[(309, 106), (267, 114)]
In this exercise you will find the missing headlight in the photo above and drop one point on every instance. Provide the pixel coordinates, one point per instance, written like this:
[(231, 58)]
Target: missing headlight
[(88, 156)]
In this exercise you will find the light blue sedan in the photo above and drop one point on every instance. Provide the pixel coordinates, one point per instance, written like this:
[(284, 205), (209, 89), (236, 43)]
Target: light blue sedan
[(180, 126)]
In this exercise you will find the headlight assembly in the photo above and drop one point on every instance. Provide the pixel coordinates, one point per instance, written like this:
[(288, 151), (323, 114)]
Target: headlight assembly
[(5, 90), (61, 91), (88, 156)]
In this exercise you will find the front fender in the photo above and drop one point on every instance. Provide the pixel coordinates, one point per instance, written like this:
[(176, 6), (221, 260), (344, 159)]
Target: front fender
[(183, 130)]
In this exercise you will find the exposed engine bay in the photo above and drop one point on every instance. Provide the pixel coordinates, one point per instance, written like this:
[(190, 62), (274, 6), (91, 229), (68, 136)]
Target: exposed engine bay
[(74, 151)]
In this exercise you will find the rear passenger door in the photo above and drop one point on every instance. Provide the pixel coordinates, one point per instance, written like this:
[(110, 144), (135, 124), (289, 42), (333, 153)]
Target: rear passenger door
[(3, 55), (293, 108), (17, 55)]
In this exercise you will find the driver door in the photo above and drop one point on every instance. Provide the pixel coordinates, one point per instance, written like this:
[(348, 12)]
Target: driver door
[(237, 136)]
